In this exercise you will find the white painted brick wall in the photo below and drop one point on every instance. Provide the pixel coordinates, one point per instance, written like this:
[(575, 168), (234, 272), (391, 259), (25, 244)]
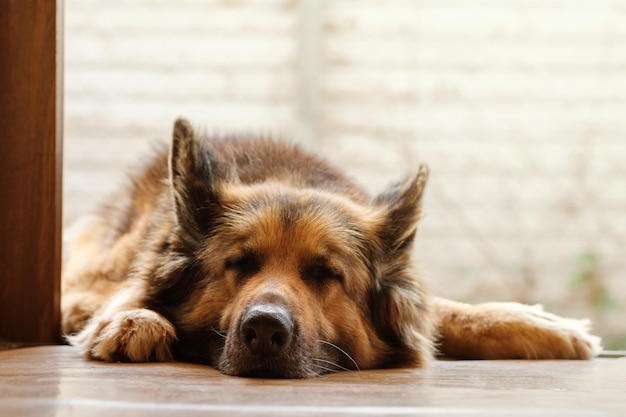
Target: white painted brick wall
[(518, 107)]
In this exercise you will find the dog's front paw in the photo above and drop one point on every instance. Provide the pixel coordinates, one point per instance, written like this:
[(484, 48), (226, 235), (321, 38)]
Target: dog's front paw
[(530, 332), (138, 335)]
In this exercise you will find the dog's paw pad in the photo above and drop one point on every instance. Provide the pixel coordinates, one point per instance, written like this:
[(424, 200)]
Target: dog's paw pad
[(139, 335)]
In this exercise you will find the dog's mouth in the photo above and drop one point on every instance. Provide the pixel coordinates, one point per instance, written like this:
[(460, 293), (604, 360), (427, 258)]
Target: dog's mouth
[(237, 362), (262, 373), (282, 368)]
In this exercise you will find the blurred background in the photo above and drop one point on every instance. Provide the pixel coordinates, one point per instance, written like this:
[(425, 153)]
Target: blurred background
[(517, 106)]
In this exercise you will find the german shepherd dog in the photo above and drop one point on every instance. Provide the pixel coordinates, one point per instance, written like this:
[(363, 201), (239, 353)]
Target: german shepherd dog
[(262, 260)]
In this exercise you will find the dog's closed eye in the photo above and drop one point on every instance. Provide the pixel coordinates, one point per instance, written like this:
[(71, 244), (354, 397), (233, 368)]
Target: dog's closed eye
[(244, 265), (320, 273)]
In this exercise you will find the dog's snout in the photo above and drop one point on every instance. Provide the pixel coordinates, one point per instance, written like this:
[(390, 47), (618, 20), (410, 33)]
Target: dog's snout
[(266, 330)]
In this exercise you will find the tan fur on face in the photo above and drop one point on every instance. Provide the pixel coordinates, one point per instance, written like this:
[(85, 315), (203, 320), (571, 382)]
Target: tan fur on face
[(214, 231), (326, 311)]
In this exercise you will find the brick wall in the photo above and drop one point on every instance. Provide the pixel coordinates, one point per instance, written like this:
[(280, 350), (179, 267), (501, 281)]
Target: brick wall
[(516, 105), (133, 66)]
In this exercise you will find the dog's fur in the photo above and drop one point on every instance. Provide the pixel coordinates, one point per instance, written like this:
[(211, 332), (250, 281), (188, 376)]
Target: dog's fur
[(262, 260)]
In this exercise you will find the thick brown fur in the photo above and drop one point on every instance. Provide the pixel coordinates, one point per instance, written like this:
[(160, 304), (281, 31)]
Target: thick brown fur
[(260, 259)]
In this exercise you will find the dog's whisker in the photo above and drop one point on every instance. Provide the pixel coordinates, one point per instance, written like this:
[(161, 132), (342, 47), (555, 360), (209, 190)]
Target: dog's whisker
[(342, 351), (343, 368), (325, 368), (315, 373), (220, 334)]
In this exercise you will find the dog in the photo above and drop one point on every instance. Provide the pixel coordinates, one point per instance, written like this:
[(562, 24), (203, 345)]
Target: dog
[(263, 260)]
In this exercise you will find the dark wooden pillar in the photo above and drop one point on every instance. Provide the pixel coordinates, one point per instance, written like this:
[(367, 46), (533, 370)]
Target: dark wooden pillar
[(31, 74)]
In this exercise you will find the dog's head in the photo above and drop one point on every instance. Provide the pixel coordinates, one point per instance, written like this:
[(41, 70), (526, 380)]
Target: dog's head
[(266, 278)]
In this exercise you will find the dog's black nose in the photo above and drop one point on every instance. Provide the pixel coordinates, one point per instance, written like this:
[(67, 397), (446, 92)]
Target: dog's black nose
[(266, 329)]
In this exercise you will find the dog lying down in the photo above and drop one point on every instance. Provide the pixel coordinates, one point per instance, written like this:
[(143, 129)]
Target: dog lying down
[(262, 260)]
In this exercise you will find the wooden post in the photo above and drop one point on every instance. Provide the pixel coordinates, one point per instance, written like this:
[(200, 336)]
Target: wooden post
[(31, 74)]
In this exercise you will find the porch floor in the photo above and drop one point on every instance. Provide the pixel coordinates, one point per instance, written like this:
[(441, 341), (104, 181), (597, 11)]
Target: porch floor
[(56, 381)]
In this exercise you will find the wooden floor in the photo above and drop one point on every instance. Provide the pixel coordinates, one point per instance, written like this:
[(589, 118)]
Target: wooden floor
[(56, 381)]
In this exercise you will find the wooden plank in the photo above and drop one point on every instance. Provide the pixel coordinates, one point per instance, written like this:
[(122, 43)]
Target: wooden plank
[(56, 380), (30, 169)]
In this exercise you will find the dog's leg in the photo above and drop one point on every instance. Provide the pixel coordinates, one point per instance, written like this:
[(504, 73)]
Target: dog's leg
[(126, 331), (96, 268), (511, 331)]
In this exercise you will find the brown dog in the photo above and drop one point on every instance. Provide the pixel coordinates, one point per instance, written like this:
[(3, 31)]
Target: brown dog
[(262, 260)]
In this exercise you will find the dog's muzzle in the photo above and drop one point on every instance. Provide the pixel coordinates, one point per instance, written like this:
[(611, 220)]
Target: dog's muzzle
[(266, 330)]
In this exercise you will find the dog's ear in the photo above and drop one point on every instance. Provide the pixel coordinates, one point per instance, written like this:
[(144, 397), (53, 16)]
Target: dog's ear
[(400, 307), (403, 204), (195, 177)]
